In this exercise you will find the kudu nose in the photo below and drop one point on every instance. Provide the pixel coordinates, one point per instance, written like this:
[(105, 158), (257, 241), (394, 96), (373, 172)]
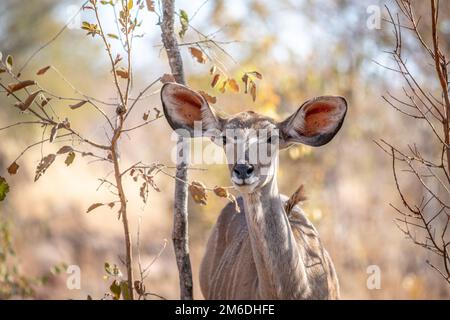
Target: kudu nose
[(243, 171)]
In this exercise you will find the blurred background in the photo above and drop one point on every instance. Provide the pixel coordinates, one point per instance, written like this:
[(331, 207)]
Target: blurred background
[(303, 48)]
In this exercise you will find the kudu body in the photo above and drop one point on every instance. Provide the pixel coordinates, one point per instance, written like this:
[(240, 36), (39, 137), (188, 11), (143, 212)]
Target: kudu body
[(262, 252)]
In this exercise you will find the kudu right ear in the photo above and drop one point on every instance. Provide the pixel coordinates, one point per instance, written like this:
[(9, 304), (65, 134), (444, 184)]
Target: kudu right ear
[(183, 107)]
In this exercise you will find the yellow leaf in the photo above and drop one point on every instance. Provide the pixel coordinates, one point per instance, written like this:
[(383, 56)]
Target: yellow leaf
[(224, 85), (233, 85)]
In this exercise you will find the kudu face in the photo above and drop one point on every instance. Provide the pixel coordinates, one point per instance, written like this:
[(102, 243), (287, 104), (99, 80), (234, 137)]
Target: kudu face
[(252, 141)]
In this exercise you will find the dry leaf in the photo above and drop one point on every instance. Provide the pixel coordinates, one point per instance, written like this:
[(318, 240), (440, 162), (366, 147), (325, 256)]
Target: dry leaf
[(20, 85), (215, 80), (208, 97), (212, 70), (223, 193), (256, 74), (117, 59), (53, 133), (233, 85), (253, 90), (167, 77), (245, 80), (111, 204), (77, 105), (297, 197), (143, 192), (122, 73), (44, 165), (94, 206), (150, 5), (145, 116), (43, 70), (158, 113), (27, 103), (45, 101), (12, 169), (198, 54), (65, 149), (223, 87), (198, 192)]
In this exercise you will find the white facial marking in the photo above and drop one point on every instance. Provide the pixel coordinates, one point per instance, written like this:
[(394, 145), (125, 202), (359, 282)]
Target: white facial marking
[(251, 180), (236, 180)]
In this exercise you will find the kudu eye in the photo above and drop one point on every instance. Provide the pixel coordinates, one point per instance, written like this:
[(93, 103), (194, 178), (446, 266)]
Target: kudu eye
[(272, 139)]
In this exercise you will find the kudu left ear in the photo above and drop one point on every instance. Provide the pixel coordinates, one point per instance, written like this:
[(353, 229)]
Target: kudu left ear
[(315, 123)]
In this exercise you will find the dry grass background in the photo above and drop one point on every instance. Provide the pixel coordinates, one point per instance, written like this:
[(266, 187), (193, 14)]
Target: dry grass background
[(348, 182)]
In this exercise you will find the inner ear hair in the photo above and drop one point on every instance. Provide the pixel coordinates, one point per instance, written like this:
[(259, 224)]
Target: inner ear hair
[(316, 122), (183, 106)]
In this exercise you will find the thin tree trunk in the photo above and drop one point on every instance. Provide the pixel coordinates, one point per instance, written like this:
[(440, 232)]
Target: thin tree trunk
[(180, 215)]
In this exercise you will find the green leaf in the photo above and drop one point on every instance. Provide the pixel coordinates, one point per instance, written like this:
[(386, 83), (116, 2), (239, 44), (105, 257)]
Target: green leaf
[(112, 35), (70, 158), (108, 268), (184, 21), (4, 188), (115, 289)]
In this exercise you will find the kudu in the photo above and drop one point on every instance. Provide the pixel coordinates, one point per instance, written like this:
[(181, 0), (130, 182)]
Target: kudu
[(261, 252)]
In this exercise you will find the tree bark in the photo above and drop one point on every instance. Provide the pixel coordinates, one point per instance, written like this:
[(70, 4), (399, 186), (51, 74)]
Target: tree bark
[(180, 236)]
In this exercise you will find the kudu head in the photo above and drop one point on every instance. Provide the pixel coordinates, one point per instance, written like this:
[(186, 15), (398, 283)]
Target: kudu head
[(251, 141)]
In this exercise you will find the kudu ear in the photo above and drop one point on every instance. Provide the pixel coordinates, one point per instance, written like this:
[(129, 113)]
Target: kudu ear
[(183, 107), (315, 123)]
